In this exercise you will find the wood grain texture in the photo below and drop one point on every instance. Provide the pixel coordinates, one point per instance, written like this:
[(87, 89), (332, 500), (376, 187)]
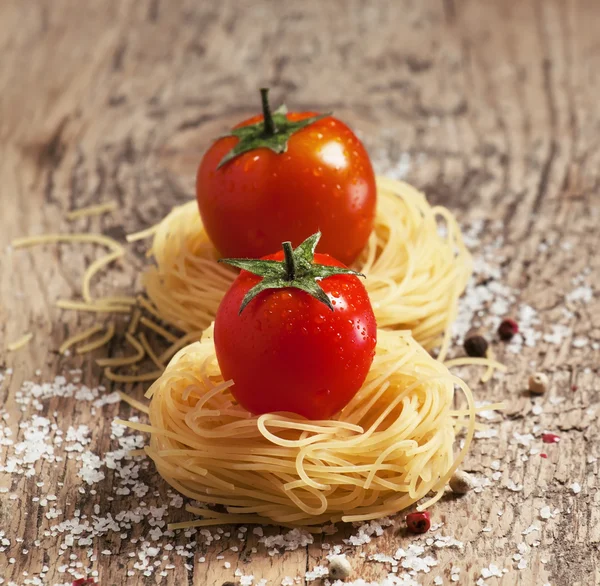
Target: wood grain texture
[(495, 103)]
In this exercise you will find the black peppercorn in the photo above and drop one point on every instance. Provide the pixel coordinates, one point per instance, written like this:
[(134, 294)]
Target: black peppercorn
[(476, 346)]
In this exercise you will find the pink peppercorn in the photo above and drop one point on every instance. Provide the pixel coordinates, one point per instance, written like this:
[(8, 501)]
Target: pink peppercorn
[(543, 455), (550, 438), (507, 329), (419, 522)]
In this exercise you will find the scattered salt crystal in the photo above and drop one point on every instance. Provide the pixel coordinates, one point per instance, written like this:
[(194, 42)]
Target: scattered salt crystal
[(486, 433), (522, 439), (289, 541), (575, 487), (489, 415), (559, 332), (584, 294), (490, 571), (443, 541), (511, 485), (366, 531), (381, 558), (316, 573), (90, 470)]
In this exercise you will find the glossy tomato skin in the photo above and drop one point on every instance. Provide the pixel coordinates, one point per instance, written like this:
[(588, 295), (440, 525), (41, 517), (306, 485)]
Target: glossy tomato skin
[(287, 351), (324, 181)]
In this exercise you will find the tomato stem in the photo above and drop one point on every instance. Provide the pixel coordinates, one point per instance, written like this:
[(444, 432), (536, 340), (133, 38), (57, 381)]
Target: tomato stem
[(290, 261), (270, 128)]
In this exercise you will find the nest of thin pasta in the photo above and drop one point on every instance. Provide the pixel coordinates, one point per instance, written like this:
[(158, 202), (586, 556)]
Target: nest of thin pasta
[(415, 268), (389, 447)]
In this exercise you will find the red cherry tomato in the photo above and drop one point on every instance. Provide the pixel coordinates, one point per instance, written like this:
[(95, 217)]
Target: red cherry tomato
[(324, 181), (287, 351)]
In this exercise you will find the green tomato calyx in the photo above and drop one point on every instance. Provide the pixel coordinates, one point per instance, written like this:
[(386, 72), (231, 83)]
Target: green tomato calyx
[(298, 270)]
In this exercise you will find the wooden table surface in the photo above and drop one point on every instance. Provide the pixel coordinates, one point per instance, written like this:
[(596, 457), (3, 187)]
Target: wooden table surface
[(492, 108)]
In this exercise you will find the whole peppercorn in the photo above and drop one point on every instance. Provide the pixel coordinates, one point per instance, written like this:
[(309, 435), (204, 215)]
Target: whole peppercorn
[(550, 438), (507, 329), (339, 567), (418, 522), (476, 346), (538, 383), (461, 482)]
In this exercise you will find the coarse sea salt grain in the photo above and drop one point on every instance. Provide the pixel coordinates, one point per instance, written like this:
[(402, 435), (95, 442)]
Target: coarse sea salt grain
[(583, 293), (491, 571), (558, 333), (316, 573), (488, 433), (512, 485), (522, 439), (575, 487), (533, 527), (289, 541), (367, 531), (411, 559)]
